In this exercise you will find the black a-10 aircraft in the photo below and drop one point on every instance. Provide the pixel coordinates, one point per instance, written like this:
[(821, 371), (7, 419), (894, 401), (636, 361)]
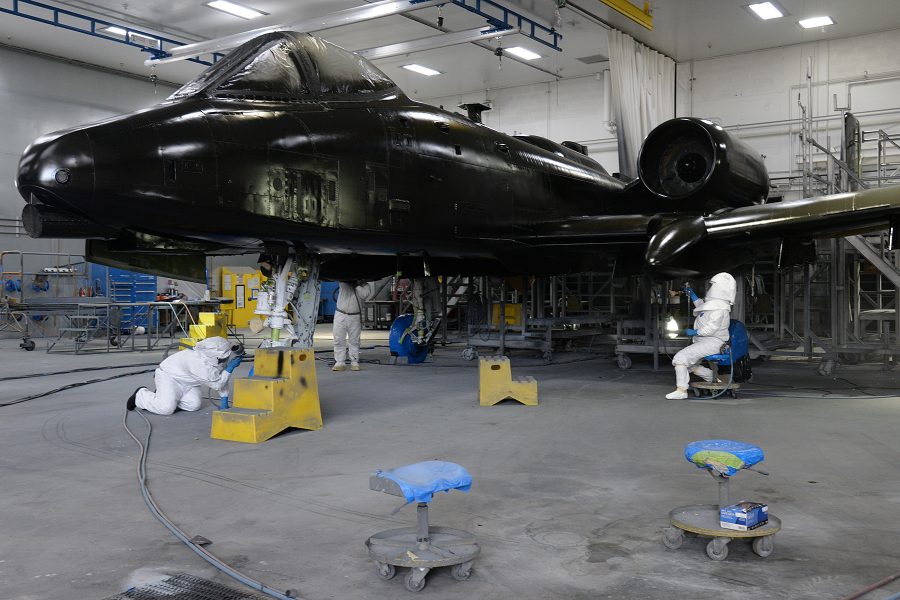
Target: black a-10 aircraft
[(291, 145)]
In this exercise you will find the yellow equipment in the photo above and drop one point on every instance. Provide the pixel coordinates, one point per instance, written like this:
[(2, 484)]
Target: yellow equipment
[(210, 325), (281, 393), (512, 312), (495, 383), (241, 285)]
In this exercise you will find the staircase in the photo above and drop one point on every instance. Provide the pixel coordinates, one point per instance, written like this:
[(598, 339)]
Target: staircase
[(281, 393)]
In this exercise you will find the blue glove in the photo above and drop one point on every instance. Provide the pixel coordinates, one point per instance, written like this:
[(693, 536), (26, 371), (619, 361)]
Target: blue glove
[(693, 296), (223, 402), (233, 364), (690, 332)]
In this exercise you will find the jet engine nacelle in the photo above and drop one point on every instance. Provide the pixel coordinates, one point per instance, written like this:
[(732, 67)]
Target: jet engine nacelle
[(697, 160)]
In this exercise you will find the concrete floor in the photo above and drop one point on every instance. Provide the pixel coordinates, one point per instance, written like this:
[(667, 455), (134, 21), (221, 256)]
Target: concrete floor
[(568, 502)]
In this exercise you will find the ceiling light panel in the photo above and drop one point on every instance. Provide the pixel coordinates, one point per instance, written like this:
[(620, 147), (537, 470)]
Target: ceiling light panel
[(238, 10), (427, 71), (114, 30), (521, 52), (816, 22), (766, 10)]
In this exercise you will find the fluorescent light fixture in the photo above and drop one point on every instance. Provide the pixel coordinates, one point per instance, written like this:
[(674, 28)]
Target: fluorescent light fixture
[(428, 72), (140, 37), (766, 10), (816, 22), (522, 52), (133, 36), (238, 10)]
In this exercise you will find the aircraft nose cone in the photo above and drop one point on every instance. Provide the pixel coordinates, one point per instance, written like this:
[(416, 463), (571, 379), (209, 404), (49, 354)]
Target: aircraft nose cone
[(58, 169)]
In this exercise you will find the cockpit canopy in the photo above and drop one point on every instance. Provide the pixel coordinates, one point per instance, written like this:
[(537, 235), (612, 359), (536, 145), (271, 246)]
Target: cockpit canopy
[(288, 65)]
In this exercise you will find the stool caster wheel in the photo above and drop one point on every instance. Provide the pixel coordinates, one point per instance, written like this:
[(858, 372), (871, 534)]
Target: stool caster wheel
[(385, 571), (469, 353), (623, 361), (763, 546), (672, 538), (717, 549), (414, 581), (461, 572), (27, 345)]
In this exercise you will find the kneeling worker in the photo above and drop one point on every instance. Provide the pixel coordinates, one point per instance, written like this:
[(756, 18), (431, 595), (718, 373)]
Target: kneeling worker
[(348, 323), (709, 333), (179, 378)]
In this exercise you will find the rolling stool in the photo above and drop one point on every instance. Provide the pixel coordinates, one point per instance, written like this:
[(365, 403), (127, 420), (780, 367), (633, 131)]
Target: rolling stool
[(722, 459), (422, 548), (733, 351)]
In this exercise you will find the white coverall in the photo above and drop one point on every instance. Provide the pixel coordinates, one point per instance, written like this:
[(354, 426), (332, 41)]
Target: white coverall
[(179, 378), (348, 321), (713, 317)]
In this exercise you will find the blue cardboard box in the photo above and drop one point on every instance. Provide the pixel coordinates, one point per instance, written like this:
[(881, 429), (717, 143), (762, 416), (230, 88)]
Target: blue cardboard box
[(744, 516)]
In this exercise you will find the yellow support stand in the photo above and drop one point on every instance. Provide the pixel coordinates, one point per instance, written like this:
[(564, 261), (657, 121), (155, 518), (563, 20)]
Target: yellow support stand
[(495, 383), (210, 325), (282, 393)]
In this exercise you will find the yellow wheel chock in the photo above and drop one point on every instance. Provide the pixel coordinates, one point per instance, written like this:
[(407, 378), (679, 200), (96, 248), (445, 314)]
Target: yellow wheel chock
[(495, 383)]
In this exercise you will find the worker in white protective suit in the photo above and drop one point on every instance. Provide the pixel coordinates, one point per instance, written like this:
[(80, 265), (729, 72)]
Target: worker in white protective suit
[(710, 331), (348, 323), (179, 377)]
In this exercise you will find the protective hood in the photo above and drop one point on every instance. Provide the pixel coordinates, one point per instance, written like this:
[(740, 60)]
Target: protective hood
[(721, 287), (214, 348), (720, 295)]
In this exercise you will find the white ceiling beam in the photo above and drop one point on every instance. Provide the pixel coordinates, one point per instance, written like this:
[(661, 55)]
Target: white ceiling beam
[(435, 41), (348, 16)]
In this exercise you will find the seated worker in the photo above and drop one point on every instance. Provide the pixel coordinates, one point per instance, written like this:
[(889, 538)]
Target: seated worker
[(179, 378), (710, 331), (347, 328)]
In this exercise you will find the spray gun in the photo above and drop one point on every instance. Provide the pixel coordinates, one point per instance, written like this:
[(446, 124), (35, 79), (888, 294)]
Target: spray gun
[(689, 291)]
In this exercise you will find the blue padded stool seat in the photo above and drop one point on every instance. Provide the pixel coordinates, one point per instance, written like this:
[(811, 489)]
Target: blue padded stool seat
[(419, 481), (423, 547), (726, 457)]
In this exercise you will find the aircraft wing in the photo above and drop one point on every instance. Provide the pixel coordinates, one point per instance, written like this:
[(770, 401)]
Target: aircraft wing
[(826, 216)]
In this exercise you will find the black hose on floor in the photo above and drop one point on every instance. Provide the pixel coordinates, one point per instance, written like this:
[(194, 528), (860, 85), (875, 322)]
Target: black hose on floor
[(161, 516), (78, 370), (75, 385)]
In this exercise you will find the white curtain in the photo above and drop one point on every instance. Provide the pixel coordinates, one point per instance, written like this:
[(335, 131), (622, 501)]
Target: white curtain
[(643, 94)]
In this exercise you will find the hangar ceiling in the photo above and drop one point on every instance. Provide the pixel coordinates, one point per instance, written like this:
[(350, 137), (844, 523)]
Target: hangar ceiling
[(684, 29)]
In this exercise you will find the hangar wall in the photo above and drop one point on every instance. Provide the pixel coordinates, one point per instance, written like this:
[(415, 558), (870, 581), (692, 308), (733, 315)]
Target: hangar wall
[(755, 94), (63, 95), (576, 109)]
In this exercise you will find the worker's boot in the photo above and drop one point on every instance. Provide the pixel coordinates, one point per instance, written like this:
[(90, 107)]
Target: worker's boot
[(339, 367), (354, 367), (130, 403), (678, 394)]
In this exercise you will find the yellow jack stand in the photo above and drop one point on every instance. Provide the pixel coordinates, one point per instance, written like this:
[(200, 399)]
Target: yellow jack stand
[(282, 393), (210, 325), (495, 383)]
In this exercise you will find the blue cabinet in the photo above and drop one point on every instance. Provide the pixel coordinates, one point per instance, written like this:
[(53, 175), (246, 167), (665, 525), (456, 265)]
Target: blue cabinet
[(127, 287)]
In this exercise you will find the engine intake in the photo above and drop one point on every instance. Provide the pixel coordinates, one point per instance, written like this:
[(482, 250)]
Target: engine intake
[(688, 158)]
